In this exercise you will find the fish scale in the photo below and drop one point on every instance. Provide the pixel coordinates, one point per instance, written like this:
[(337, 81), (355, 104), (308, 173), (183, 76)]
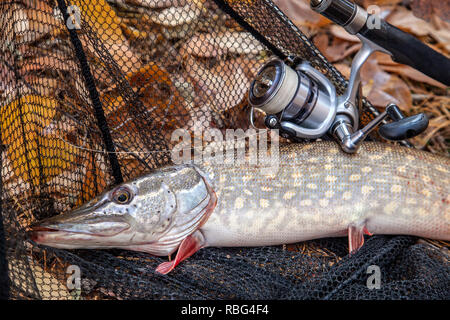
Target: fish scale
[(309, 191), (318, 191)]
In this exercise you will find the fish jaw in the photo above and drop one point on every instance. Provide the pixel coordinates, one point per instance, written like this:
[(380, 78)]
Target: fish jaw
[(91, 233), (67, 240)]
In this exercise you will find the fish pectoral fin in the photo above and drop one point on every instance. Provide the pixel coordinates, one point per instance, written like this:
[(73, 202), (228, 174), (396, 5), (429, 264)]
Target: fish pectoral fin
[(190, 245), (356, 236)]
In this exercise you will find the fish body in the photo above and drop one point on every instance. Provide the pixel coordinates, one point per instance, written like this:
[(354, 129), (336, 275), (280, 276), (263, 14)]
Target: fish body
[(319, 191), (310, 191)]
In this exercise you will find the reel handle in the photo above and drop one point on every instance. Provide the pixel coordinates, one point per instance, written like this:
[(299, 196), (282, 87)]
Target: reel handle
[(402, 128)]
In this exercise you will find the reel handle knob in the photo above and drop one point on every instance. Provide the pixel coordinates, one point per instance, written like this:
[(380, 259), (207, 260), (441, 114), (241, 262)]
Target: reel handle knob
[(402, 128)]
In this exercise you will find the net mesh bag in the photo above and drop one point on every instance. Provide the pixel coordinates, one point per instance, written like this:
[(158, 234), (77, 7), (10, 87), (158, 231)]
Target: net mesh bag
[(90, 93)]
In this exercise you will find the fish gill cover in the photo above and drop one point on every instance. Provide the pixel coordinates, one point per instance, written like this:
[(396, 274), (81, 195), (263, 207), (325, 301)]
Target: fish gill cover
[(90, 94)]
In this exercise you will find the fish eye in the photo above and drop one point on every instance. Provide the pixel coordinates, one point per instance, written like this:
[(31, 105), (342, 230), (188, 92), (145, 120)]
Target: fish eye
[(122, 196)]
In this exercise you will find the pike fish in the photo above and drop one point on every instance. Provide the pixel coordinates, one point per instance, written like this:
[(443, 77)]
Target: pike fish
[(317, 191)]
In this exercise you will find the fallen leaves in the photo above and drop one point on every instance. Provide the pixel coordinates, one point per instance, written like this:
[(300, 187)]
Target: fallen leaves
[(437, 107), (301, 14), (223, 86), (104, 22), (94, 181), (338, 49), (210, 45), (382, 88), (411, 73), (22, 24), (158, 4), (427, 9), (176, 16), (102, 19), (437, 29), (159, 96), (35, 154)]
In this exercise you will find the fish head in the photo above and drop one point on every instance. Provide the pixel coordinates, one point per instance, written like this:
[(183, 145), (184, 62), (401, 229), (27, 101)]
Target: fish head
[(152, 213)]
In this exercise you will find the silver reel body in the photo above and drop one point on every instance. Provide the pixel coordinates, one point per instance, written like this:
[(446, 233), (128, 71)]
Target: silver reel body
[(302, 103), (304, 99)]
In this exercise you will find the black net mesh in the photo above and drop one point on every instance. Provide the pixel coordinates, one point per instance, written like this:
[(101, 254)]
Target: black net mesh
[(90, 93)]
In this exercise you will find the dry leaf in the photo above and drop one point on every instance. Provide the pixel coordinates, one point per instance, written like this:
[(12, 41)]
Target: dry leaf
[(337, 50), (106, 25), (51, 61), (426, 9), (300, 13), (222, 86), (158, 4), (8, 80), (94, 180), (15, 26), (33, 153), (250, 64), (238, 43), (176, 16), (405, 20), (202, 46), (209, 45), (412, 73), (238, 116), (344, 69), (366, 3), (42, 21), (162, 108), (321, 41), (149, 73), (385, 61), (434, 126), (159, 95), (45, 86), (381, 88), (102, 19), (340, 33)]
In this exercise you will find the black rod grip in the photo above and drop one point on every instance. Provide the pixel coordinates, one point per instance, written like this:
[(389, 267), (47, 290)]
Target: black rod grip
[(338, 11), (407, 49)]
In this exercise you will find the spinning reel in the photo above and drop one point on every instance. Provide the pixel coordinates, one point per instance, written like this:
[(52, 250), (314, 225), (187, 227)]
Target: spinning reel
[(302, 103)]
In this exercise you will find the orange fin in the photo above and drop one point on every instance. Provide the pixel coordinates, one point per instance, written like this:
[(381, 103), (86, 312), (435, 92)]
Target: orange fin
[(367, 231), (190, 245), (356, 237)]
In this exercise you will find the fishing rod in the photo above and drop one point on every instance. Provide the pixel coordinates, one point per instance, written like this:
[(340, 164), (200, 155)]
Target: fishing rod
[(303, 104)]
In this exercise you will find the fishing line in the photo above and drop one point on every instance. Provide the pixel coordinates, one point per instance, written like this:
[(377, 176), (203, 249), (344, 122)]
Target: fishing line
[(148, 152)]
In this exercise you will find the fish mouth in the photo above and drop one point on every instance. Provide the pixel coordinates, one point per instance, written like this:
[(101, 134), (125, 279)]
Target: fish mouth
[(71, 239), (36, 232), (77, 228), (41, 234), (42, 229)]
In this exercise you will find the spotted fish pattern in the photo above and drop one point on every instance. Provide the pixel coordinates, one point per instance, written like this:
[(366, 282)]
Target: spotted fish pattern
[(320, 191)]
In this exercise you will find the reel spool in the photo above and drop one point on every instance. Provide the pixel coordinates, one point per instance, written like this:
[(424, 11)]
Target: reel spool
[(301, 102)]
